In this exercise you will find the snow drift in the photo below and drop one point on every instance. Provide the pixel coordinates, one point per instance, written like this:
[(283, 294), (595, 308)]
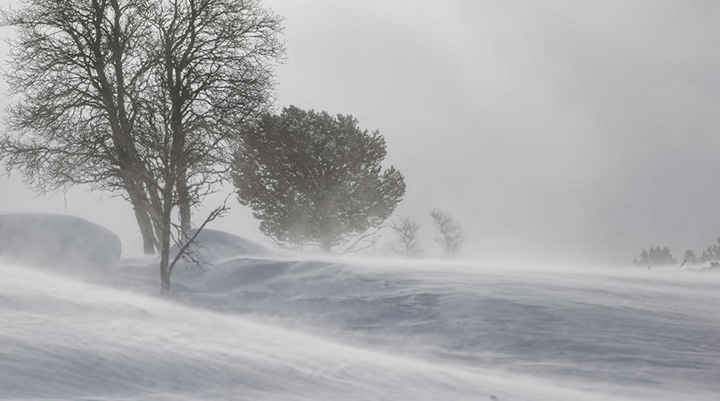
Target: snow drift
[(54, 240), (213, 246), (272, 328), (65, 340), (597, 327)]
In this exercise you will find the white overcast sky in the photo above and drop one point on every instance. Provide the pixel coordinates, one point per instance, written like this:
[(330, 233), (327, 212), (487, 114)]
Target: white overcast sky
[(558, 130)]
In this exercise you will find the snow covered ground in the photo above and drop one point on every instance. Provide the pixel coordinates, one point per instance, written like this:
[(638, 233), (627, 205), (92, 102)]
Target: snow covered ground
[(278, 328), (57, 241)]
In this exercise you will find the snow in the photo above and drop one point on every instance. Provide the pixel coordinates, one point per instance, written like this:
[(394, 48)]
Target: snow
[(58, 241), (282, 328), (214, 246)]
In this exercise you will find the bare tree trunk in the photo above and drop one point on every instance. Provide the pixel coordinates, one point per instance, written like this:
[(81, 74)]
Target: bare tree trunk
[(165, 228), (150, 243), (178, 150), (184, 202), (141, 206)]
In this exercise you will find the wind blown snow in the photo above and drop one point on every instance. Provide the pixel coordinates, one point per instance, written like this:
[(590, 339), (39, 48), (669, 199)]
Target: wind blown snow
[(279, 329)]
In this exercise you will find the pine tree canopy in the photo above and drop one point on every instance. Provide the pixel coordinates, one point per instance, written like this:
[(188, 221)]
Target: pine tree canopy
[(312, 178)]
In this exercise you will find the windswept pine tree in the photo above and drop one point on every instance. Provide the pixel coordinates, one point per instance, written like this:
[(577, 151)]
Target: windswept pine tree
[(314, 179)]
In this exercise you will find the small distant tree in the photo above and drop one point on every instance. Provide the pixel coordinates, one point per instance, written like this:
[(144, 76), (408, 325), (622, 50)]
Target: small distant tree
[(316, 179), (711, 254), (690, 257), (406, 230), (449, 232), (656, 256)]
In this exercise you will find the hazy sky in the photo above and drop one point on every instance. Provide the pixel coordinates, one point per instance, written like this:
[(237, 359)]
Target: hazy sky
[(560, 130)]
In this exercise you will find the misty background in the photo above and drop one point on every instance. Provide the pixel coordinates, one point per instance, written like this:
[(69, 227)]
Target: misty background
[(558, 131)]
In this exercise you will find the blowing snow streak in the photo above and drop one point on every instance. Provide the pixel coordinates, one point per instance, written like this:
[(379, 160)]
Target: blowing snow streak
[(328, 330)]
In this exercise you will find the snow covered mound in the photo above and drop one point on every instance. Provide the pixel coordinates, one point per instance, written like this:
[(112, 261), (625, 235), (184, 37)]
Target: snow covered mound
[(308, 330), (214, 246), (63, 340), (56, 240), (603, 328)]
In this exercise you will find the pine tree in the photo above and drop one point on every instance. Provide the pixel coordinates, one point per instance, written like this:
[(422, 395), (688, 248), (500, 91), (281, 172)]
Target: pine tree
[(316, 179)]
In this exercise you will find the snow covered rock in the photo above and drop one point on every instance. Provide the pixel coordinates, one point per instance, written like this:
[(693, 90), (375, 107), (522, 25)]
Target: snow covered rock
[(57, 240)]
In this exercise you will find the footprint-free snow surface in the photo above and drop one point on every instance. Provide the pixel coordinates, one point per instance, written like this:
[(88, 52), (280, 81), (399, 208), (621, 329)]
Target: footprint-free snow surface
[(271, 329), (56, 241)]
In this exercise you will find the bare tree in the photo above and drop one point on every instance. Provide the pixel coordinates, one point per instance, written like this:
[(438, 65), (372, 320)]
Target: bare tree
[(75, 121), (449, 232), (138, 97), (406, 230), (214, 78)]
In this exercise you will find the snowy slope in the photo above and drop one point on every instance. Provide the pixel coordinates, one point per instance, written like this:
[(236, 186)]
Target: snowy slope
[(60, 242), (263, 329), (657, 329), (213, 246)]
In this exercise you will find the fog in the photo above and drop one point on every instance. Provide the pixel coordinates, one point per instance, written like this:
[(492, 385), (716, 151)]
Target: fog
[(559, 131)]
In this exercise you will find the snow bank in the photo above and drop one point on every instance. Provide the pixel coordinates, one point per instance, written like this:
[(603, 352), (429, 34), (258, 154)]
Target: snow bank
[(57, 241), (355, 330), (213, 246), (64, 340), (637, 330)]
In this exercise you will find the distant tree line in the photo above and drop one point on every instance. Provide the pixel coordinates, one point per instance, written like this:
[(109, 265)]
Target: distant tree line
[(657, 256)]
